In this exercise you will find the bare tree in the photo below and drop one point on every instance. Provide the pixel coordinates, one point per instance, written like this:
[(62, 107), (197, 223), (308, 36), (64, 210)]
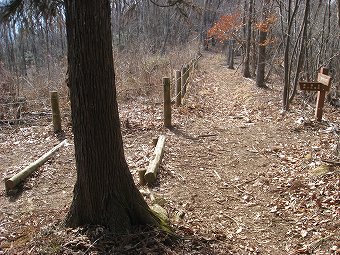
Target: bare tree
[(339, 13), (261, 61), (287, 39), (246, 65)]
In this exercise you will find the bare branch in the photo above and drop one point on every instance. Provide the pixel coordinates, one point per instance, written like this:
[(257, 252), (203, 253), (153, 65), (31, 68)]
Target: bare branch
[(170, 3)]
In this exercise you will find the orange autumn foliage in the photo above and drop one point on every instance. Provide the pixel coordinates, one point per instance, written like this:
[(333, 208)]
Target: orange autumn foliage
[(226, 26), (265, 25)]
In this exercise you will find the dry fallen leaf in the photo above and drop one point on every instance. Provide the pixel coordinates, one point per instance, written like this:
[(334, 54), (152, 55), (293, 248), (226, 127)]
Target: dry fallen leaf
[(239, 230), (304, 232)]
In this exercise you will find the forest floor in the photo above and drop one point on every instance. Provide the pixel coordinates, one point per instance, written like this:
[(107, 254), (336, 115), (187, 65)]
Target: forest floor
[(238, 175)]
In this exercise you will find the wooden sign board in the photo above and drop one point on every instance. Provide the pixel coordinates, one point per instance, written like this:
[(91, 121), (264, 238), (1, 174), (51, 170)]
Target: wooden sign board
[(324, 79), (322, 85), (312, 86)]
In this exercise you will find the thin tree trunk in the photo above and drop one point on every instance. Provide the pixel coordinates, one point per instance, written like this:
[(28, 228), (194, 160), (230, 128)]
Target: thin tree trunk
[(246, 70), (339, 13), (203, 23), (48, 51), (301, 54), (12, 39), (22, 52), (261, 60), (166, 32), (287, 64), (61, 35), (231, 54)]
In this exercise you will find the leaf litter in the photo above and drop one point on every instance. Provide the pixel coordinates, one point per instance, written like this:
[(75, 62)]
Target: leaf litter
[(238, 176)]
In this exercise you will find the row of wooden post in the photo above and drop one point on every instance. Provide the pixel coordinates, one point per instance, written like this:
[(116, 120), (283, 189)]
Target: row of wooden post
[(181, 83)]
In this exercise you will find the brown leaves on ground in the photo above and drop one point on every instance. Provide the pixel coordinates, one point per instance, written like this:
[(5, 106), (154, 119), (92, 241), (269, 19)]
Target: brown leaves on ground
[(238, 176)]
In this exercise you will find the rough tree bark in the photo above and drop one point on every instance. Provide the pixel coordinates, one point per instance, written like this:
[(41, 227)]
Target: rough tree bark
[(104, 192), (286, 88), (203, 24), (261, 60), (301, 52), (289, 54), (339, 13), (230, 54), (246, 70)]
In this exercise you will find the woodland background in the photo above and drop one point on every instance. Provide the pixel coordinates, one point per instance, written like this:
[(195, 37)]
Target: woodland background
[(278, 41), (246, 169)]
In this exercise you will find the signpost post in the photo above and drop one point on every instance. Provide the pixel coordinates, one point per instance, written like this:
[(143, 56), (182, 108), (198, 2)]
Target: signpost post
[(322, 86)]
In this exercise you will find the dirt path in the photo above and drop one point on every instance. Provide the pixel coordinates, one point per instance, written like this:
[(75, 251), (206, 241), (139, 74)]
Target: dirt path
[(237, 174), (230, 160)]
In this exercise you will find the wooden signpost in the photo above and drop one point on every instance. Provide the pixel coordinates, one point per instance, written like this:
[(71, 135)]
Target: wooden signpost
[(322, 85)]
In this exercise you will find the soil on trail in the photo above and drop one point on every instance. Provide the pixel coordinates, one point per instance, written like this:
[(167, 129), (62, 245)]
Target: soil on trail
[(238, 176)]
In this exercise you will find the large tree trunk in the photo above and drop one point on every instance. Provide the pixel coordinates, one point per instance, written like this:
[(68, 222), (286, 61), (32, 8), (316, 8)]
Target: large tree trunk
[(104, 193)]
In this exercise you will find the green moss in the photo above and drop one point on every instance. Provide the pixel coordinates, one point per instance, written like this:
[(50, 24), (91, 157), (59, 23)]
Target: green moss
[(162, 217)]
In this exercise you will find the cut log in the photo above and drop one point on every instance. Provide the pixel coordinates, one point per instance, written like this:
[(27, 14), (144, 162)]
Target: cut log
[(154, 141), (151, 171), (22, 175)]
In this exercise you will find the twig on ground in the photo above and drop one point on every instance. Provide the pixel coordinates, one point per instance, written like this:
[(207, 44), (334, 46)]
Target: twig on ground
[(242, 190), (335, 163), (206, 135), (183, 179), (232, 219), (246, 182), (236, 198), (92, 244), (312, 246), (218, 176)]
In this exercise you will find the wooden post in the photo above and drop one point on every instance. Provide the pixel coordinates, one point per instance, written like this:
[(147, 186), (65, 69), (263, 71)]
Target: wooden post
[(154, 141), (187, 77), (141, 173), (167, 102), (56, 118), (178, 92), (192, 63), (183, 80), (320, 101)]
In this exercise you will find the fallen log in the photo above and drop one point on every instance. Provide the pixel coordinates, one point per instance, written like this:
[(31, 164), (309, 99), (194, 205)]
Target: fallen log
[(151, 171), (22, 175)]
